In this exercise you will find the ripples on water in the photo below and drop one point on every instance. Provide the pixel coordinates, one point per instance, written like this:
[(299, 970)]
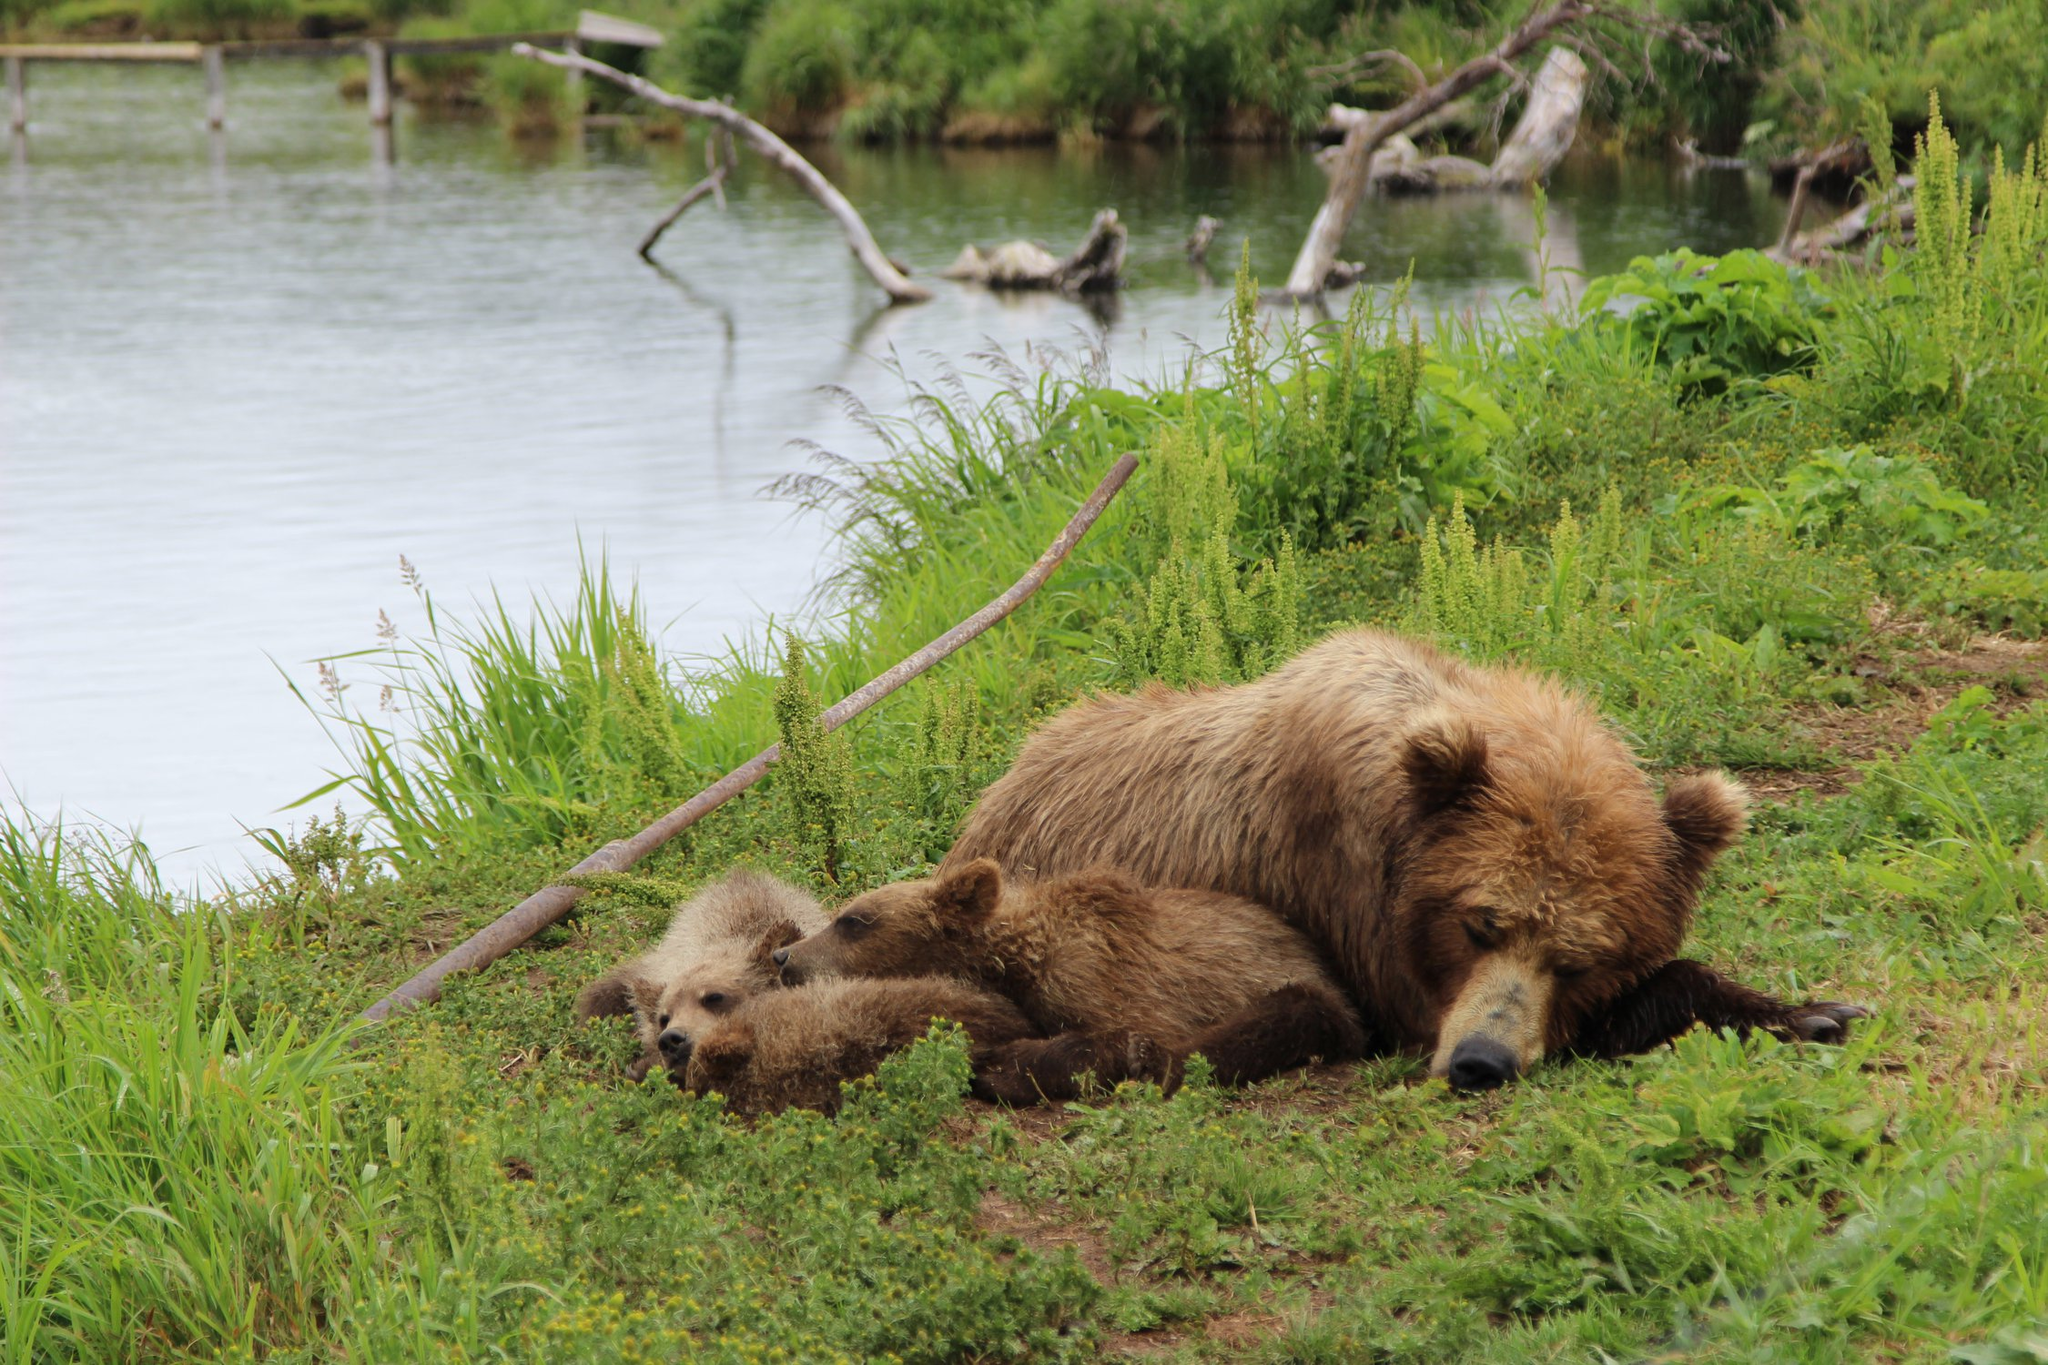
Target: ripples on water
[(241, 374)]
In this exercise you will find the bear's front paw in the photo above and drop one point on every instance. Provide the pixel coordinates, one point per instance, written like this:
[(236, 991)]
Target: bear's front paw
[(1822, 1021), (1009, 1085)]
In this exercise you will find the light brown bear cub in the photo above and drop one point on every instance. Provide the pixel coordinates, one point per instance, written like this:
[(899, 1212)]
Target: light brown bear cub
[(791, 1048), (712, 959), (1130, 979)]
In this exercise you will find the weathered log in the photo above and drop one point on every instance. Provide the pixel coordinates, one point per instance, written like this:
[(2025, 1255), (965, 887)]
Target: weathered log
[(777, 152), (1351, 174), (1539, 141), (1891, 211), (1432, 175), (1692, 158), (1350, 168), (1097, 263), (550, 904), (1548, 123)]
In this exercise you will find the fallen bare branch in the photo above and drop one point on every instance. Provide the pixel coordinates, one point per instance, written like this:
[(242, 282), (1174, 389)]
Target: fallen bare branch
[(550, 904), (777, 152)]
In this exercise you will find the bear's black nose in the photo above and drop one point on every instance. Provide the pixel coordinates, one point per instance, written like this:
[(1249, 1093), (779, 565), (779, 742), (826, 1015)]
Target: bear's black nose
[(780, 957), (1481, 1063), (673, 1043)]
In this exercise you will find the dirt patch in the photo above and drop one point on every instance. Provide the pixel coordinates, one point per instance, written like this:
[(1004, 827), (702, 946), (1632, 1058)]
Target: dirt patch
[(2017, 670), (1044, 1232)]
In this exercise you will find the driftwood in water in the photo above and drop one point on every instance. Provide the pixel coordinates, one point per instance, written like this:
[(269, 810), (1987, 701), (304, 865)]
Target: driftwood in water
[(1891, 211), (718, 158), (1541, 137), (1693, 159), (1350, 168), (1549, 122), (778, 153), (550, 904), (1098, 263)]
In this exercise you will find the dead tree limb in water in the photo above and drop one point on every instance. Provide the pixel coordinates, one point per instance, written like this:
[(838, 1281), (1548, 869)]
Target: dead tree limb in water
[(777, 152), (1350, 167), (718, 155), (550, 904)]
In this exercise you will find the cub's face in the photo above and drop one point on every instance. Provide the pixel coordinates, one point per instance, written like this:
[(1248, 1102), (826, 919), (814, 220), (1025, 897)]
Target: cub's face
[(1525, 904), (673, 1017), (905, 929)]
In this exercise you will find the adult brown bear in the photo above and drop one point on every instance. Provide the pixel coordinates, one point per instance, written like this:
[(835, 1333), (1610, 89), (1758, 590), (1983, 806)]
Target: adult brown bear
[(1482, 859)]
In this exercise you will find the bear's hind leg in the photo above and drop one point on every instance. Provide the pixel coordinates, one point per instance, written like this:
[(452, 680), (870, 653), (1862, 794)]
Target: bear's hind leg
[(1031, 1070), (1682, 993), (1291, 1027)]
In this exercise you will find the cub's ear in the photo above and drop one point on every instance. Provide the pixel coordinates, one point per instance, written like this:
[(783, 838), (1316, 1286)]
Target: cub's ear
[(612, 994), (1707, 814), (781, 936), (1445, 762), (970, 891)]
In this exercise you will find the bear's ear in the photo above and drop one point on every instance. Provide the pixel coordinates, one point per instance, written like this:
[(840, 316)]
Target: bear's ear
[(781, 936), (972, 891), (614, 993), (1445, 762), (1707, 814)]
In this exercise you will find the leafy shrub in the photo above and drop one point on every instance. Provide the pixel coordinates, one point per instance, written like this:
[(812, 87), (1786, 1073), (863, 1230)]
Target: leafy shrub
[(1897, 497), (1714, 320), (801, 59)]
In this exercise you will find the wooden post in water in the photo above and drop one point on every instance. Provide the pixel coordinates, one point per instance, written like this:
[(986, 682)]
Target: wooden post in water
[(17, 92), (216, 85), (572, 79), (380, 81)]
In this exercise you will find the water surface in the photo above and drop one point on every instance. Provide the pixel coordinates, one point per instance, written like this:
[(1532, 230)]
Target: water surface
[(242, 373)]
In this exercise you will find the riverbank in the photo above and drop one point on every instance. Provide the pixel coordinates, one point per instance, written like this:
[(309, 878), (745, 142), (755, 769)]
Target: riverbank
[(1777, 522), (1796, 79)]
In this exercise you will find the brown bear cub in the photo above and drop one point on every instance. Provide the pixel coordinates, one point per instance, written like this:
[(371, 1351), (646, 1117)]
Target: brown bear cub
[(713, 958), (790, 1049), (1130, 980), (1482, 860)]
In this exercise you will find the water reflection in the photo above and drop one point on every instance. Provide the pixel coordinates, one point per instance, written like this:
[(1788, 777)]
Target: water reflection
[(241, 373)]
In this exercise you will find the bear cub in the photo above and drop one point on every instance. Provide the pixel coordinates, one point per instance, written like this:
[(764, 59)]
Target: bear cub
[(1128, 980), (712, 959), (790, 1049)]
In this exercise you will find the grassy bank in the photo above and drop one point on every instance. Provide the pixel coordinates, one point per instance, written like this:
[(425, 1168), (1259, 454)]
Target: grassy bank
[(1784, 523)]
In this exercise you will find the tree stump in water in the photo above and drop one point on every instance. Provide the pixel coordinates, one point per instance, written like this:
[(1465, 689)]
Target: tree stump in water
[(1098, 263)]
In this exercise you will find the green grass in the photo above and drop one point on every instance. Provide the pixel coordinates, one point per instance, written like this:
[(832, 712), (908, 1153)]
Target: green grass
[(1793, 502)]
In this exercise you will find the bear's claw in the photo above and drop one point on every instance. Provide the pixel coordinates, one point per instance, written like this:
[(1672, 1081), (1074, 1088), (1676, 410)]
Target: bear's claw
[(1825, 1021)]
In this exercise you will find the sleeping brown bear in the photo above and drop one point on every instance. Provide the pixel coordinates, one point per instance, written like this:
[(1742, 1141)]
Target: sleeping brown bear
[(1128, 979), (713, 957), (1481, 859)]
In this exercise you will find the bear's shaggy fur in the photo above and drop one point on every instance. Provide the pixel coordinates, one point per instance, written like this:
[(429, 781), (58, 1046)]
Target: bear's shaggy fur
[(1132, 979), (791, 1048), (713, 957), (1481, 859)]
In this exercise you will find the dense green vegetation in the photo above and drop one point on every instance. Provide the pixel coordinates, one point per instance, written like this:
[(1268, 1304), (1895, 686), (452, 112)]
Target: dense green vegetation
[(1800, 74), (1764, 519)]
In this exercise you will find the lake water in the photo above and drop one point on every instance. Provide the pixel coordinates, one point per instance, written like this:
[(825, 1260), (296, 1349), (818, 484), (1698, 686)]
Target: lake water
[(242, 373)]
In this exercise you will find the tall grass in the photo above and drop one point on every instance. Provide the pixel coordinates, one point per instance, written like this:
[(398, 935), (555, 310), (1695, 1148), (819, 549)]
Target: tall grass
[(173, 1177)]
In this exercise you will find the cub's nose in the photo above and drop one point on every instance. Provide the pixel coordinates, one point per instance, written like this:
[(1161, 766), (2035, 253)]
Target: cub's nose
[(674, 1045), (780, 957), (1481, 1063)]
